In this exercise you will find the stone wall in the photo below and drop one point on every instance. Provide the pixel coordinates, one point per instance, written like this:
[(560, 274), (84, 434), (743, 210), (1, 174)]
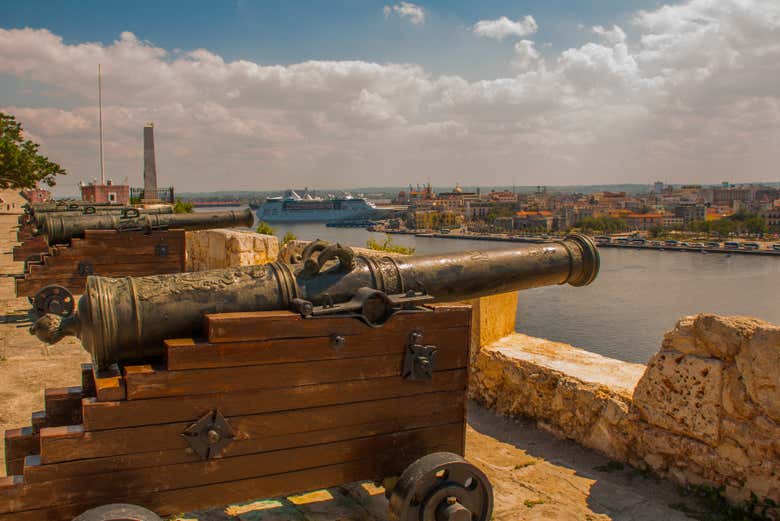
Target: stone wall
[(213, 249), (705, 410)]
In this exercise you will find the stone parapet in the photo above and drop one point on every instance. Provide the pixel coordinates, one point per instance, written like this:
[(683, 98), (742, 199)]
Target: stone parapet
[(223, 248), (705, 410)]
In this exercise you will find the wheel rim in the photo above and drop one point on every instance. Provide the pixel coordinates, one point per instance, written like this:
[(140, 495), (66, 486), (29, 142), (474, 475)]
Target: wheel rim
[(441, 487), (53, 299)]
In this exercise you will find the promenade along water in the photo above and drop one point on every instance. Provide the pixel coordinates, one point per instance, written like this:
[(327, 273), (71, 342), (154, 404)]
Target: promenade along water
[(638, 295)]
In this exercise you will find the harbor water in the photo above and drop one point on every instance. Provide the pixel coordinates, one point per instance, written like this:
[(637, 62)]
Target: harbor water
[(638, 295)]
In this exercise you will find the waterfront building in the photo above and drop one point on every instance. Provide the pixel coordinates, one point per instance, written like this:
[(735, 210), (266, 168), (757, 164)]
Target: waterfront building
[(644, 221), (107, 193), (772, 216), (538, 220)]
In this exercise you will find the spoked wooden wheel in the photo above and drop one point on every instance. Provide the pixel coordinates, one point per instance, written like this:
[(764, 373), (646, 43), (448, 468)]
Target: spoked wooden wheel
[(118, 512), (441, 487)]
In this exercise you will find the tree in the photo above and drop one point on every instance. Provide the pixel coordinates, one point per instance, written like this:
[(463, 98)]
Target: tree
[(264, 228), (288, 237), (756, 225), (21, 166), (182, 207)]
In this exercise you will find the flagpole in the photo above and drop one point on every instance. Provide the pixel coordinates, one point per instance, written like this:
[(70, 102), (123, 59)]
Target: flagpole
[(100, 120)]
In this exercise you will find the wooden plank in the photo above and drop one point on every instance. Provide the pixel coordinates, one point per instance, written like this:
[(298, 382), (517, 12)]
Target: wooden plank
[(404, 446), (87, 381), (148, 264), (192, 354), (269, 325), (14, 467), (195, 498), (158, 383), (28, 287), (38, 420), (19, 443), (63, 406), (35, 472), (259, 431), (109, 384), (99, 415)]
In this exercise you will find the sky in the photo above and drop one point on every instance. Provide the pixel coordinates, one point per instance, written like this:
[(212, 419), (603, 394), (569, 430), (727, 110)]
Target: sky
[(251, 95)]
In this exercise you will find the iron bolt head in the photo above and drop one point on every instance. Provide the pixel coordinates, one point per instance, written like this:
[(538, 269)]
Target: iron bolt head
[(213, 437), (337, 341)]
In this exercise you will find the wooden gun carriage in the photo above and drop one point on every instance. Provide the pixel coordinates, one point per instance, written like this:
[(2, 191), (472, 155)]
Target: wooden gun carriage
[(267, 404), (51, 279)]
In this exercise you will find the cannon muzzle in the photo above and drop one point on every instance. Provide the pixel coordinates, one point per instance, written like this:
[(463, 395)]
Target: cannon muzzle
[(128, 318), (61, 228)]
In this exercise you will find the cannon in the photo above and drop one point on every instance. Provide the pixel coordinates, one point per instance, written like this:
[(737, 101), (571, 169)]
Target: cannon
[(59, 229), (38, 217), (119, 319), (232, 385)]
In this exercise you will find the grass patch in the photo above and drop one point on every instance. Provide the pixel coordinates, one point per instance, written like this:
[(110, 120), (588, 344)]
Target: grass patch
[(711, 505), (530, 503), (610, 466)]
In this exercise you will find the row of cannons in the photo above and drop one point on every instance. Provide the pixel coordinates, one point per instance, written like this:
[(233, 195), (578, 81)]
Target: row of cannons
[(225, 386), (63, 244)]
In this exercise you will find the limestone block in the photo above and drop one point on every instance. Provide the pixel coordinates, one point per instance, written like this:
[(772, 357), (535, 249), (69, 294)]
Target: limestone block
[(758, 362), (222, 248), (683, 338), (682, 393), (736, 402), (722, 337)]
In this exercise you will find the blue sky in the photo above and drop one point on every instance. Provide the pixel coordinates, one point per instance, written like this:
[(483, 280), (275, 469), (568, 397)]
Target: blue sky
[(288, 32), (267, 95)]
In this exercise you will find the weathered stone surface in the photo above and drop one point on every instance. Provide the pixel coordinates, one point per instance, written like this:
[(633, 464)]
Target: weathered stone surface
[(681, 393), (759, 364), (561, 387), (705, 411), (214, 249)]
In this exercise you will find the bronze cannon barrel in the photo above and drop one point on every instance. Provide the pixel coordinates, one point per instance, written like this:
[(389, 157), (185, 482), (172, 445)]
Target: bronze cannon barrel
[(39, 217), (128, 318), (60, 229)]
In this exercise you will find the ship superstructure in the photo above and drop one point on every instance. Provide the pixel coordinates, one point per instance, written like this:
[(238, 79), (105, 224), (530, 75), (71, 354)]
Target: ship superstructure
[(293, 207)]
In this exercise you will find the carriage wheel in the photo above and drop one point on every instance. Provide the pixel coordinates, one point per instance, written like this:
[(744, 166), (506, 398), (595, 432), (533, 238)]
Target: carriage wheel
[(53, 299), (118, 512), (441, 487)]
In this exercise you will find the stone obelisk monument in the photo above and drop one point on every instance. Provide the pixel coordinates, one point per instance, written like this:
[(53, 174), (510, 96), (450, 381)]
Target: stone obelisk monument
[(150, 168)]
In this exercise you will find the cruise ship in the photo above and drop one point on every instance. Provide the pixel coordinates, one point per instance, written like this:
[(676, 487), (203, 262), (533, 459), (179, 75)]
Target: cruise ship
[(296, 208)]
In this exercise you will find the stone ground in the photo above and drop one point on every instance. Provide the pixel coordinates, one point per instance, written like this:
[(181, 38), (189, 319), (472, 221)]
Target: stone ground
[(535, 475)]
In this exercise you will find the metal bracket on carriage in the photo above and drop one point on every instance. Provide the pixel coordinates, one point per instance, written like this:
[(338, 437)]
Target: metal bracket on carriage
[(161, 249), (370, 305), (85, 268), (419, 360), (209, 436)]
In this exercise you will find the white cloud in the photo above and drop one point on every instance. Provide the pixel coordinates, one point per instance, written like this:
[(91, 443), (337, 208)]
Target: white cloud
[(692, 90), (413, 12), (503, 27), (526, 55)]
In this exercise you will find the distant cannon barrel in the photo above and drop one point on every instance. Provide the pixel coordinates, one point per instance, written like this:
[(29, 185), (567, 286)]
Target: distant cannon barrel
[(128, 318), (60, 229), (39, 217)]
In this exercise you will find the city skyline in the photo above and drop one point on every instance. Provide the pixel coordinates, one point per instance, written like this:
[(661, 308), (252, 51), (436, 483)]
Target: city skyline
[(492, 95)]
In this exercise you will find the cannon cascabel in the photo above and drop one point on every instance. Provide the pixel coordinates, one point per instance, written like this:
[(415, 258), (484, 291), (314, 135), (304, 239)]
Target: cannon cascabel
[(121, 319)]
